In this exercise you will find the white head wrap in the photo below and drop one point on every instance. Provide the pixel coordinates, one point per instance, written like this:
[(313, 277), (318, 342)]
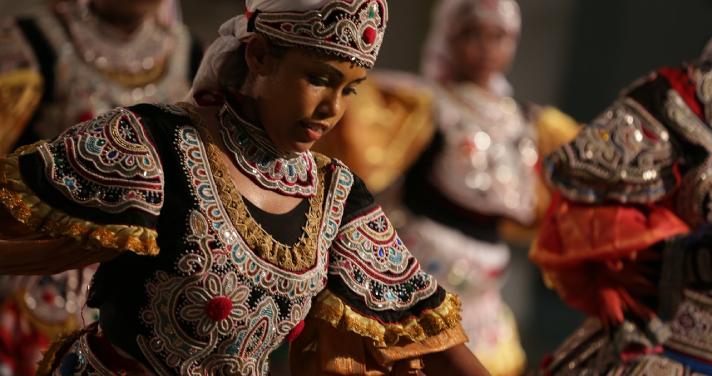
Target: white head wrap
[(235, 31), (450, 16)]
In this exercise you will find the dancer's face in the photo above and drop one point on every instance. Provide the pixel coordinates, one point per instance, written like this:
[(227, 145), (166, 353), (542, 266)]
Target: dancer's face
[(299, 96), (127, 10), (481, 50)]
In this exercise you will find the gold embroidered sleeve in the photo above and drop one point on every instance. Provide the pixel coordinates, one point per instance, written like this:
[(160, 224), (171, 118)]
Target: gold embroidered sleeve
[(26, 252), (63, 188), (338, 341), (39, 239)]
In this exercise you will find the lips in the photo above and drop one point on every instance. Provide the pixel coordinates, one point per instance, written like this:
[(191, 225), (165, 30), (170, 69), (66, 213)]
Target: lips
[(314, 130)]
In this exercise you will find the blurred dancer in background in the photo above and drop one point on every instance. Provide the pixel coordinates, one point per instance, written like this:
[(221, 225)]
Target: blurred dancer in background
[(628, 241), (61, 65), (475, 185)]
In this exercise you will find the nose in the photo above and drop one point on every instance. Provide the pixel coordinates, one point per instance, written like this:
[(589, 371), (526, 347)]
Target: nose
[(331, 105)]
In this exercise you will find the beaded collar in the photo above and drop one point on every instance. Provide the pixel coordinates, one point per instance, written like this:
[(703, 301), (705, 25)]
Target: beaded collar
[(293, 174)]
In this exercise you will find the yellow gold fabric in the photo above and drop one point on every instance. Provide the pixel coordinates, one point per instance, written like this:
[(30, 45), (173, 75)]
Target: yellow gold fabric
[(137, 79), (20, 94), (554, 129), (322, 349), (27, 208), (332, 309), (382, 133)]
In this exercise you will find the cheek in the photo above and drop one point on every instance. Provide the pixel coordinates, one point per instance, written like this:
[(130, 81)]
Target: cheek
[(138, 10), (505, 55), (469, 54), (286, 102), (304, 99)]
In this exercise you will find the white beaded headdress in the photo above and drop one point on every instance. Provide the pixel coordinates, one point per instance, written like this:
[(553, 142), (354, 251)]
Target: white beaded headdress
[(352, 29), (451, 16)]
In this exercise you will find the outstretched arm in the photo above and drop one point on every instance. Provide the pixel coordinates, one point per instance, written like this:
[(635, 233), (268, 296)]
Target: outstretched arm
[(458, 360), (23, 251)]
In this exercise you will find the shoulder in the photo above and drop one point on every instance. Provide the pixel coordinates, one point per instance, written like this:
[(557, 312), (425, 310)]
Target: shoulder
[(103, 173), (162, 119), (161, 112), (359, 199), (627, 153), (655, 91), (110, 163)]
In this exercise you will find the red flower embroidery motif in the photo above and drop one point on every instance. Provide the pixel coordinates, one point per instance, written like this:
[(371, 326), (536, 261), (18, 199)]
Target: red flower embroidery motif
[(216, 305), (218, 308)]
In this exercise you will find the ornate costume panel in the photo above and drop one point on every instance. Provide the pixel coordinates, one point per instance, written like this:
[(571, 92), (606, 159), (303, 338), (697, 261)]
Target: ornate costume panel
[(645, 146), (489, 153), (653, 143), (691, 333), (108, 163), (347, 29), (293, 174), (693, 199), (376, 288), (88, 83), (372, 261), (624, 155), (224, 308)]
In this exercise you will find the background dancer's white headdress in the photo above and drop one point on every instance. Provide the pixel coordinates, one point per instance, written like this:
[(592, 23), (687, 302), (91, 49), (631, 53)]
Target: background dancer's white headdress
[(450, 17)]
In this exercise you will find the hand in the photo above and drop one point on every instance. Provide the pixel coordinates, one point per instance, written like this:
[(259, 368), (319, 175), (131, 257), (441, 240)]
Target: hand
[(458, 360)]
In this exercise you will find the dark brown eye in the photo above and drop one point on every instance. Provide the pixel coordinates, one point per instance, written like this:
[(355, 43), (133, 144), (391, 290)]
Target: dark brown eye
[(318, 81)]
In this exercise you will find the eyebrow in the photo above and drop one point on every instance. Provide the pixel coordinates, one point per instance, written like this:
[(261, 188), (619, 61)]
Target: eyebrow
[(332, 68), (340, 73), (359, 80)]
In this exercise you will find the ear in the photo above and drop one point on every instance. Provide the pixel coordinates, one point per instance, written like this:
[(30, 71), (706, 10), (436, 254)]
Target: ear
[(258, 57)]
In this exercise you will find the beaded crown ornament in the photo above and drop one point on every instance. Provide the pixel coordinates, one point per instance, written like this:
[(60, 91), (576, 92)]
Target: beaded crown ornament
[(351, 29)]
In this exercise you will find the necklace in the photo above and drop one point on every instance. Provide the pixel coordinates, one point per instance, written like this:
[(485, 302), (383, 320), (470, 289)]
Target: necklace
[(293, 174), (107, 49)]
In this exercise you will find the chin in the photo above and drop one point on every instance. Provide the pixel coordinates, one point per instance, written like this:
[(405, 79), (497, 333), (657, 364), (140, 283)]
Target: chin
[(296, 147), (302, 147)]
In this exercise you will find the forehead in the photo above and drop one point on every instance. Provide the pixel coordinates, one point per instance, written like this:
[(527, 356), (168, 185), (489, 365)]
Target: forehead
[(318, 58)]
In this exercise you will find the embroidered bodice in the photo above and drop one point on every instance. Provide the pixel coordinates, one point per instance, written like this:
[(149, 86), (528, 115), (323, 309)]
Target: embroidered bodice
[(206, 289), (88, 70), (486, 163)]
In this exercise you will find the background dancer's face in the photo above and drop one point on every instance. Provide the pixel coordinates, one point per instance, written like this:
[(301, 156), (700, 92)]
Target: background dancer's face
[(126, 11), (481, 50), (299, 96)]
